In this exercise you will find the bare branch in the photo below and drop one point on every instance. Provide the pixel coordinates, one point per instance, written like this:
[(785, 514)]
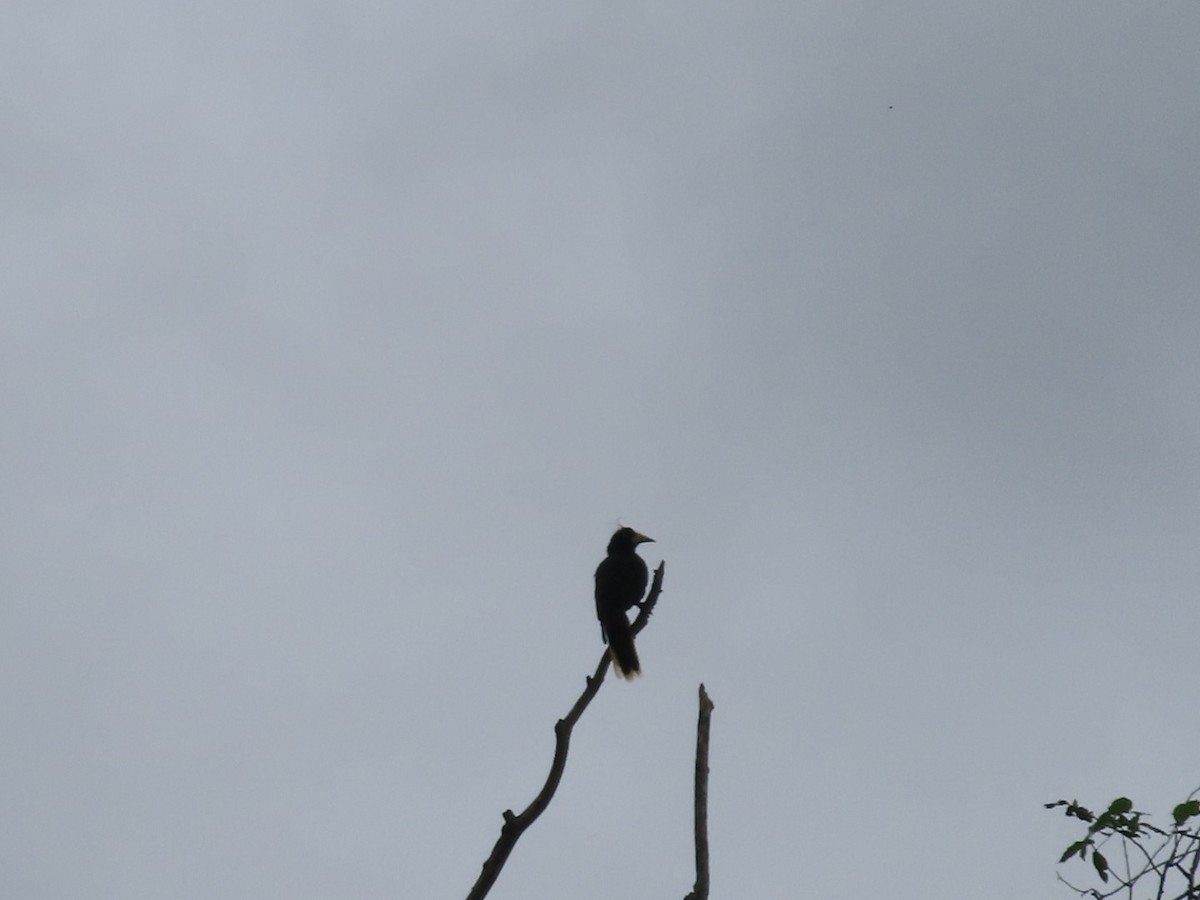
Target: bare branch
[(515, 824), (700, 889)]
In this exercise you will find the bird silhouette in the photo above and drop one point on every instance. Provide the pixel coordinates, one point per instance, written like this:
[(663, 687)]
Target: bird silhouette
[(620, 583)]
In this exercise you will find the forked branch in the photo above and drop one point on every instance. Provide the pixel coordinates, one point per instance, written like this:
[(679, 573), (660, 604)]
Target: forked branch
[(516, 823)]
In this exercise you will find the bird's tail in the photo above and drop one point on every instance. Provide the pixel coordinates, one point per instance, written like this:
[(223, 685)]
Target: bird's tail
[(621, 647)]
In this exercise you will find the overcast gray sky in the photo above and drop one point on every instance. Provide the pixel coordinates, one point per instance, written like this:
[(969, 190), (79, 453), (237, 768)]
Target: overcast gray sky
[(337, 339)]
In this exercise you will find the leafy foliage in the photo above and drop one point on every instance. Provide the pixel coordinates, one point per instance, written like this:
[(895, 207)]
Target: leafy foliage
[(1165, 861)]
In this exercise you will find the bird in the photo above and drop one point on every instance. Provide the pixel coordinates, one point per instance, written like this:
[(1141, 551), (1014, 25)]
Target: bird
[(620, 583)]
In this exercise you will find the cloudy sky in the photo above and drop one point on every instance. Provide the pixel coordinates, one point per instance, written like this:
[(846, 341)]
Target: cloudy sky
[(336, 340)]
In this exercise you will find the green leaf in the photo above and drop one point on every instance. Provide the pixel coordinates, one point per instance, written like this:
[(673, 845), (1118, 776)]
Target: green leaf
[(1079, 812), (1185, 811), (1101, 864), (1131, 827), (1120, 806), (1079, 847)]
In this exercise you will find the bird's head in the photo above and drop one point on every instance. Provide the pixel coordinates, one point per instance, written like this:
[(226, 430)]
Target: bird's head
[(624, 540)]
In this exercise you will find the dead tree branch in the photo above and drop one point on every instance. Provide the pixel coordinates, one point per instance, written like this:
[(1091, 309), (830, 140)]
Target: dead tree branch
[(700, 889), (516, 823)]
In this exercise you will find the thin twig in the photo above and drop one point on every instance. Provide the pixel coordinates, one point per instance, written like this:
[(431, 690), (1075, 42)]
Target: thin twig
[(514, 823), (700, 889)]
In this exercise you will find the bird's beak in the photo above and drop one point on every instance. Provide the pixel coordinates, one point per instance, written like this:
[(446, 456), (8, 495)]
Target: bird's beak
[(641, 539)]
